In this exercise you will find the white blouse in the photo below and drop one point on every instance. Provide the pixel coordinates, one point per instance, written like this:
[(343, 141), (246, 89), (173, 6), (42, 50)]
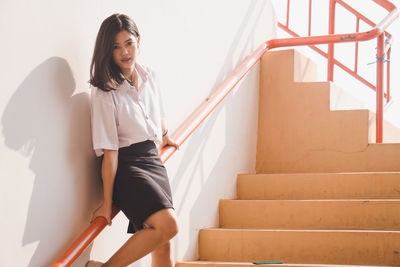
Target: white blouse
[(126, 116)]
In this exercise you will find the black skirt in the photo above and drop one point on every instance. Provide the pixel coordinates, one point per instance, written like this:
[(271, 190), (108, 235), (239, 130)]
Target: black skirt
[(141, 185)]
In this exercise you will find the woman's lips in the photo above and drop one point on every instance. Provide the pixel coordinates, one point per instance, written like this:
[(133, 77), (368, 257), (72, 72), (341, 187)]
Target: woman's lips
[(125, 60)]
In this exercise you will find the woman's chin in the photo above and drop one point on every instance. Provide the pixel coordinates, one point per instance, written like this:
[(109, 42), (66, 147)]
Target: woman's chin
[(125, 66)]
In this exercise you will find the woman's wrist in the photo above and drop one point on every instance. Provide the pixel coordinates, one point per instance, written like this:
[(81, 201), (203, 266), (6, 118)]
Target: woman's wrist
[(165, 132), (107, 202)]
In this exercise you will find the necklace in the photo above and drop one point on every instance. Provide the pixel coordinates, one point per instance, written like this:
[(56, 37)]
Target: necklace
[(131, 81)]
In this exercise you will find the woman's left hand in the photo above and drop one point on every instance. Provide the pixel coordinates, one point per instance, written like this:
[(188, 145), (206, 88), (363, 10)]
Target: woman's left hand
[(167, 141)]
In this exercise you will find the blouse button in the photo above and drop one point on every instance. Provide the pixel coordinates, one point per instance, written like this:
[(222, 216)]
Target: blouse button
[(147, 117)]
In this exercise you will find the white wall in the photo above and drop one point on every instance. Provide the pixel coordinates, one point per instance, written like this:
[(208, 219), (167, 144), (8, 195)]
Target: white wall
[(49, 182)]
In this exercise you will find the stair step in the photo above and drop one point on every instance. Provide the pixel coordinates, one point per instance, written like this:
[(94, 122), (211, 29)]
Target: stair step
[(357, 185), (294, 246), (247, 264), (311, 214), (297, 132)]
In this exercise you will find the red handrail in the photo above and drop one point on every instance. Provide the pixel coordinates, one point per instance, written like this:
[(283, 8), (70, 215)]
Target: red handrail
[(202, 113)]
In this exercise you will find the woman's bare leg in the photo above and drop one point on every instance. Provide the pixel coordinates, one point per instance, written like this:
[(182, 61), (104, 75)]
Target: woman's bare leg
[(161, 256), (163, 227)]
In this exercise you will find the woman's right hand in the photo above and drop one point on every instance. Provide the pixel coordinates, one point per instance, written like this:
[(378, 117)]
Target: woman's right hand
[(103, 211)]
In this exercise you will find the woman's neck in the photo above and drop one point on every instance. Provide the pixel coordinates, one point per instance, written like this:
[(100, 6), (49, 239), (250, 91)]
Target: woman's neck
[(131, 76), (129, 73)]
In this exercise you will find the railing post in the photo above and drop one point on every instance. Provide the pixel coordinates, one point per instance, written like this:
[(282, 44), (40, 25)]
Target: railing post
[(388, 75), (287, 13), (331, 47), (309, 16), (379, 88)]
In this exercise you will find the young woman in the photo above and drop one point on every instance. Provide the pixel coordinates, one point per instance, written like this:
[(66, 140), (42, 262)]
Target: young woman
[(127, 123)]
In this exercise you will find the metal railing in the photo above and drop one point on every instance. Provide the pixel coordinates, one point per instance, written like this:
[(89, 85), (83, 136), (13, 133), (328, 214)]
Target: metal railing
[(202, 113), (383, 48)]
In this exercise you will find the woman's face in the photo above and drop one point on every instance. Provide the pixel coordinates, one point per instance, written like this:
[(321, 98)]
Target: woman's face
[(125, 51)]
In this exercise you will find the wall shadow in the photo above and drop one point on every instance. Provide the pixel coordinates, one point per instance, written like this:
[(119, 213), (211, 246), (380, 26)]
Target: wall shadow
[(46, 122), (226, 69), (195, 147)]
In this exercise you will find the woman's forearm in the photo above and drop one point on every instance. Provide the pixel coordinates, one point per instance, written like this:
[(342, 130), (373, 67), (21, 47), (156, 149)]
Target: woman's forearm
[(163, 127), (108, 171)]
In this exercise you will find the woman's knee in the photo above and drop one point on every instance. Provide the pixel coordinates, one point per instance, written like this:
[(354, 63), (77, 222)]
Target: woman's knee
[(164, 221), (168, 226), (171, 228)]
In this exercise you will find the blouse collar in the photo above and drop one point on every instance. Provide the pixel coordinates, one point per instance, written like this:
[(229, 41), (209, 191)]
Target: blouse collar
[(144, 75)]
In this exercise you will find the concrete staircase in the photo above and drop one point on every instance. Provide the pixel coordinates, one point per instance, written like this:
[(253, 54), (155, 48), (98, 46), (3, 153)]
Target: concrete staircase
[(322, 195)]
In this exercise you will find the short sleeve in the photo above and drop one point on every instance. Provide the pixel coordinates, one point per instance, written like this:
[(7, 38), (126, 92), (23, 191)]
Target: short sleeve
[(104, 125), (159, 93)]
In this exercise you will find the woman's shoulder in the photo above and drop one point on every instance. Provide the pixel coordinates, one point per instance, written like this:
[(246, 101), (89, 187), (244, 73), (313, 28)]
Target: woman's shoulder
[(99, 95), (147, 69)]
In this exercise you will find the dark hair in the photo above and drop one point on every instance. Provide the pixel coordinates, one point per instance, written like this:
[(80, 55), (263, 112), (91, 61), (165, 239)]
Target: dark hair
[(104, 73)]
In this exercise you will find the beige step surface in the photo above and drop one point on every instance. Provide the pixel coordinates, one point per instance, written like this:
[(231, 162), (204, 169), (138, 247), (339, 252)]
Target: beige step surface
[(310, 214), (304, 246), (373, 185), (289, 65), (247, 264), (298, 134), (298, 116)]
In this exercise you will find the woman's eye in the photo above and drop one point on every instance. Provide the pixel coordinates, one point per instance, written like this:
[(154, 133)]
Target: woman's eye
[(130, 43), (115, 47)]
